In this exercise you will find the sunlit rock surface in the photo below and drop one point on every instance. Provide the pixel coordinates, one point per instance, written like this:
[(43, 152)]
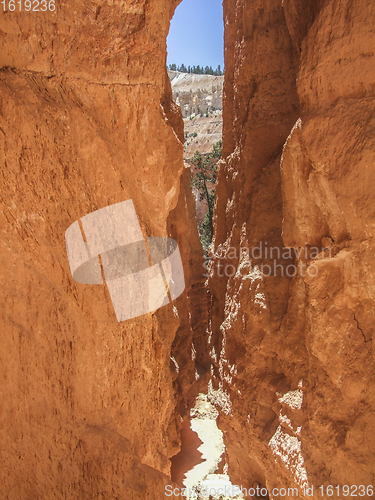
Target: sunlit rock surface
[(291, 331)]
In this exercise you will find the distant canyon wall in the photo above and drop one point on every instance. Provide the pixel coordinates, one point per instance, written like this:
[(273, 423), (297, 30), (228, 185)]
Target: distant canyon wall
[(292, 332), (91, 408), (197, 94)]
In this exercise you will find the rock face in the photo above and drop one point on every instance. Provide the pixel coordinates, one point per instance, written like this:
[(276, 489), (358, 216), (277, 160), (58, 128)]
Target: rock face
[(292, 329), (202, 132), (201, 100), (197, 94), (91, 407)]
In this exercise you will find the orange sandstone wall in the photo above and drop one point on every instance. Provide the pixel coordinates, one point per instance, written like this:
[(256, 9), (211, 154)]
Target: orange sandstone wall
[(90, 408), (294, 354)]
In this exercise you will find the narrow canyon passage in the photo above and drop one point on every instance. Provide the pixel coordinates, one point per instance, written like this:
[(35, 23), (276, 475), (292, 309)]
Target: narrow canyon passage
[(276, 334), (290, 335), (199, 468)]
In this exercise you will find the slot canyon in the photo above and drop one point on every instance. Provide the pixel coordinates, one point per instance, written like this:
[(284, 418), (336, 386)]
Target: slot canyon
[(277, 331)]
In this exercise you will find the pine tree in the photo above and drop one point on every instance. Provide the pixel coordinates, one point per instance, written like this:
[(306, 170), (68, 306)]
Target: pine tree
[(206, 174)]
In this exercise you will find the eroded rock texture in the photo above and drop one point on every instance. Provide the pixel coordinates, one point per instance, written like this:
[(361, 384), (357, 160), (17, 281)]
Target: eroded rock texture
[(200, 98), (294, 354), (90, 407), (197, 94)]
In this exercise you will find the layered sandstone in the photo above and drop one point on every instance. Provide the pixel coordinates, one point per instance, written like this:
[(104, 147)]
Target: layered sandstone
[(197, 94), (91, 408), (293, 353), (200, 98)]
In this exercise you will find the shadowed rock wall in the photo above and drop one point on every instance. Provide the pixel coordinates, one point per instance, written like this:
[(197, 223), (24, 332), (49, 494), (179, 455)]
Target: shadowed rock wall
[(90, 407), (293, 347)]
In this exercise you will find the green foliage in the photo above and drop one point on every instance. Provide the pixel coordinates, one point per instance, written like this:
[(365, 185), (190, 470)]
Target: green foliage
[(204, 176), (205, 232), (197, 70)]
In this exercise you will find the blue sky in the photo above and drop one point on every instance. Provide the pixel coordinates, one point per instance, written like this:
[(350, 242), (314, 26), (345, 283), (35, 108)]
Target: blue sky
[(196, 34)]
